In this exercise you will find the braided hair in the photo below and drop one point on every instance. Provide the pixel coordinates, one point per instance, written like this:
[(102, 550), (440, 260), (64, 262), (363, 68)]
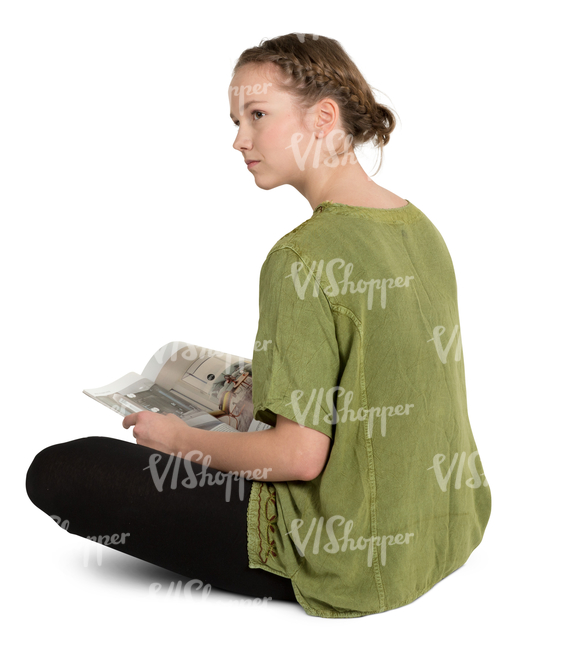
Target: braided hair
[(311, 68)]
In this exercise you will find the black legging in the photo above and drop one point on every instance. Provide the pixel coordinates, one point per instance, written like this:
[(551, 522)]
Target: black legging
[(100, 486)]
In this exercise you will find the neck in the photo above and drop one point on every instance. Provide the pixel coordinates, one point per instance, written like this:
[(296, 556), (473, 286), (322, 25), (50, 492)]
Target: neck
[(344, 181)]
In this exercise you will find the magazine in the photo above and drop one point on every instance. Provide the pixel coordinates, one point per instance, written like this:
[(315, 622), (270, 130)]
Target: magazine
[(207, 389)]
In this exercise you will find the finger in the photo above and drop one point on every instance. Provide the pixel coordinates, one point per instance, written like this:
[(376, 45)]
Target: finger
[(129, 420)]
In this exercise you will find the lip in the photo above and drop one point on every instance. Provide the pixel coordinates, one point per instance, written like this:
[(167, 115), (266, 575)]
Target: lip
[(252, 163)]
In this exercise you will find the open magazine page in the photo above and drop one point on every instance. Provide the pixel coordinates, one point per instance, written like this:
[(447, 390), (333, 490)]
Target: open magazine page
[(207, 389)]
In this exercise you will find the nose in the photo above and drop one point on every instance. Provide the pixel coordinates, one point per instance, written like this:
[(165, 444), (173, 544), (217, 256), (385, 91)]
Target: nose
[(241, 142)]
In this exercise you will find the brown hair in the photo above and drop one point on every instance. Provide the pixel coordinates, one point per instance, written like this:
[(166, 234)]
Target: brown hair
[(312, 68)]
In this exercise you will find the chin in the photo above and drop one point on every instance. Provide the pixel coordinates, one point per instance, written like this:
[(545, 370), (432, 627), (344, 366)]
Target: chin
[(266, 185)]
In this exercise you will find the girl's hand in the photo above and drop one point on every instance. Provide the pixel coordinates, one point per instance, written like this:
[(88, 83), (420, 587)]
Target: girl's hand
[(158, 431)]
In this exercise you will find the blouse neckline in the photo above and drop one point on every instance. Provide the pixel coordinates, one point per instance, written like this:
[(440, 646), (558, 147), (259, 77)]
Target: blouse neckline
[(402, 214), (362, 207)]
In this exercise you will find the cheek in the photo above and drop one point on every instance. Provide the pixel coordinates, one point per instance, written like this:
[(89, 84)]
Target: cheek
[(272, 139), (292, 137), (289, 144)]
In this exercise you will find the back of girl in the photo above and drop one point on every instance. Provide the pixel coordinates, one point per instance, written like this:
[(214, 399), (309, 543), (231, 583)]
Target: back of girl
[(359, 306)]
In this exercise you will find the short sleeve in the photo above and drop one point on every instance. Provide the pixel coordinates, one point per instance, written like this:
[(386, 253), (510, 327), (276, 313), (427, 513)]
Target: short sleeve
[(295, 364)]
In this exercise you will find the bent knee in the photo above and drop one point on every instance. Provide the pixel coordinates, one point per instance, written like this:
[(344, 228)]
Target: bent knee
[(41, 478), (54, 473)]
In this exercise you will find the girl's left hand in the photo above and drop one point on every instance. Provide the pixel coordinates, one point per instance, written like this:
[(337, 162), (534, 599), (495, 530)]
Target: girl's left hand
[(158, 431)]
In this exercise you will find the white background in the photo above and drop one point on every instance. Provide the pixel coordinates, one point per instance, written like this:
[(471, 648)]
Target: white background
[(128, 220)]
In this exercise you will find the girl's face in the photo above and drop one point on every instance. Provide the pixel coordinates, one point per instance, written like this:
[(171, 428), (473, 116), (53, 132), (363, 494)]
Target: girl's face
[(269, 129)]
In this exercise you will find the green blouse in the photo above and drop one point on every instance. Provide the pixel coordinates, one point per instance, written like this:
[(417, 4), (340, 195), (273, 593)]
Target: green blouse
[(359, 338)]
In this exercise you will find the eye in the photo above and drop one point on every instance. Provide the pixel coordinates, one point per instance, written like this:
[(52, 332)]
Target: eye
[(236, 124)]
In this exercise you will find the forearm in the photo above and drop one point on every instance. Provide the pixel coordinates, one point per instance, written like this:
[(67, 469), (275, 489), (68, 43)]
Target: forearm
[(262, 453)]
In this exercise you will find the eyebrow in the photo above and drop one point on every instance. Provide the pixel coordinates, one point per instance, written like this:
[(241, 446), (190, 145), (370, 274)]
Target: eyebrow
[(253, 101)]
